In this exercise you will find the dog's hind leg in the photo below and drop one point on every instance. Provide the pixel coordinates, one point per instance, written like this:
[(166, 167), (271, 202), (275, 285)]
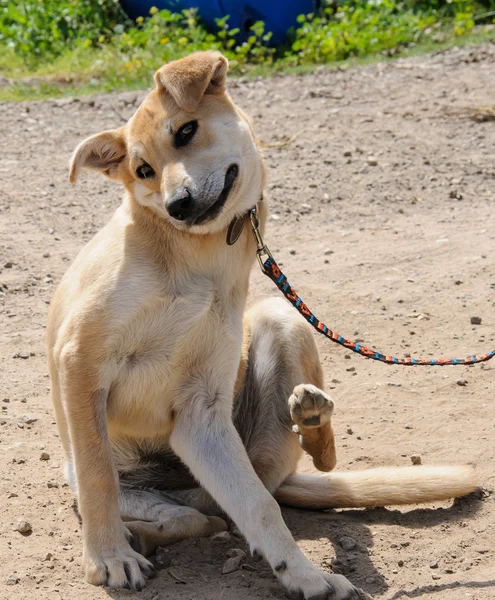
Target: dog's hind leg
[(311, 410), (283, 364), (156, 519)]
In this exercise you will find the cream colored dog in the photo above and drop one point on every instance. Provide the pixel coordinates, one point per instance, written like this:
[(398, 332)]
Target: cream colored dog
[(172, 412)]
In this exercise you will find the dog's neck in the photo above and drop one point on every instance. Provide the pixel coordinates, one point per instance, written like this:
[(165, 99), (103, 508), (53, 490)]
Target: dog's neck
[(201, 253)]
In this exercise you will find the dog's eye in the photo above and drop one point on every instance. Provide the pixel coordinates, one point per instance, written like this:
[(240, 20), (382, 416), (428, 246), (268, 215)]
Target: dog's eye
[(185, 134), (145, 171)]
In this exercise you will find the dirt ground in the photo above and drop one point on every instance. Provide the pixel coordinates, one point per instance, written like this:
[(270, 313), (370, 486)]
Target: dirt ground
[(383, 218)]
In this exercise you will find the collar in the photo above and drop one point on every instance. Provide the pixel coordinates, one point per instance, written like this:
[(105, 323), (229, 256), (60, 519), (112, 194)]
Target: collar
[(237, 224)]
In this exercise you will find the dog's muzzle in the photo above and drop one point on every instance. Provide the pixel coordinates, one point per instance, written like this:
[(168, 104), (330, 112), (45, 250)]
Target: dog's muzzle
[(185, 207)]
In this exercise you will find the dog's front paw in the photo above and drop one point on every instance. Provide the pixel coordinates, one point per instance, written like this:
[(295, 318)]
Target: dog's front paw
[(306, 582), (309, 407), (124, 568)]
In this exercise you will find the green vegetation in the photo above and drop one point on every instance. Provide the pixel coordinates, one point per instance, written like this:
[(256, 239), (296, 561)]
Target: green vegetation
[(55, 47)]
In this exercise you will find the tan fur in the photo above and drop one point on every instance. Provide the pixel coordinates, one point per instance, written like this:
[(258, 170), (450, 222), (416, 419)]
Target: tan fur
[(147, 354), (377, 487)]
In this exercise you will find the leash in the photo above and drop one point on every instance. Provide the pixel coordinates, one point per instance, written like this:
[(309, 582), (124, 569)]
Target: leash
[(270, 268)]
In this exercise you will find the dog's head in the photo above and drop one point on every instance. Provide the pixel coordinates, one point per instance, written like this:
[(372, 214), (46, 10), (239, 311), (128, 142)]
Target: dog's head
[(188, 152)]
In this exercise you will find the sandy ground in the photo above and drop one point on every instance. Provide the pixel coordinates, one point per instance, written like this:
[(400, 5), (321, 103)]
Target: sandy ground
[(383, 218)]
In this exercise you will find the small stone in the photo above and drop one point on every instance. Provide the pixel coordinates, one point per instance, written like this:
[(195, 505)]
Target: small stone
[(400, 563), (8, 265), (372, 161), (475, 320), (49, 556), (349, 431), (434, 564), (13, 579), (221, 538), (44, 456), (231, 565), (436, 577), (52, 484), (347, 153), (347, 543), (275, 217), (235, 553), (46, 255), (449, 571), (415, 459), (23, 355), (370, 580), (30, 419), (328, 252), (23, 526), (408, 426), (461, 382), (292, 251)]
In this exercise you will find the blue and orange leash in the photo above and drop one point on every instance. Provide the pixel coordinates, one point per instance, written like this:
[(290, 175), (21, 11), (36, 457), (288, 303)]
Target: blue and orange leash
[(272, 270)]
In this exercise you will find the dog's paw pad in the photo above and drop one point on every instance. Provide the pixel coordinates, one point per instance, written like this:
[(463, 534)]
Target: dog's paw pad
[(309, 406)]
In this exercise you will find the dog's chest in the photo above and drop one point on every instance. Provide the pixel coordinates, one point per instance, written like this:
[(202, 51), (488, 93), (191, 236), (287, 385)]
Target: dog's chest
[(173, 346)]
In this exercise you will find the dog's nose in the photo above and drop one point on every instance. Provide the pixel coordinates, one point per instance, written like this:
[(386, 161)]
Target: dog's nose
[(181, 204)]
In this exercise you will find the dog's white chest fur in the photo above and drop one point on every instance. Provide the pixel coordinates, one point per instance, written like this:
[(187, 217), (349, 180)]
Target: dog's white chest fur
[(166, 342)]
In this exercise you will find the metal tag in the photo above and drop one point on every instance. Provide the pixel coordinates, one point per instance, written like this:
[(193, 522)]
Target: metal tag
[(235, 229)]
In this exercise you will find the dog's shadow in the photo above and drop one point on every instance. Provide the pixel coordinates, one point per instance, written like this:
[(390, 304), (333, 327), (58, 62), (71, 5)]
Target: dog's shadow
[(341, 541), (350, 538)]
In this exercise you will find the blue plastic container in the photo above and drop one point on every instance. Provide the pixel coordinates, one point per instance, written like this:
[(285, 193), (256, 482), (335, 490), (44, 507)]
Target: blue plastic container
[(278, 15)]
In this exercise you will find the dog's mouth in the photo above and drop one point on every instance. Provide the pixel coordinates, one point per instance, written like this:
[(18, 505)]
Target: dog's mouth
[(212, 211)]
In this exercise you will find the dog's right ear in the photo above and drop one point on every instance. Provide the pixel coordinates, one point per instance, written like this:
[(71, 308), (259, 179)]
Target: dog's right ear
[(103, 152)]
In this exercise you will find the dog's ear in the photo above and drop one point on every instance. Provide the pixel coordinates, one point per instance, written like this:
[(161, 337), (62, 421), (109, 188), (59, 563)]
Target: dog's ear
[(187, 80), (103, 152)]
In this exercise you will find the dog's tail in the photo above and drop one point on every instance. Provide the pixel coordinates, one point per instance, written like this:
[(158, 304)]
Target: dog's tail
[(377, 487)]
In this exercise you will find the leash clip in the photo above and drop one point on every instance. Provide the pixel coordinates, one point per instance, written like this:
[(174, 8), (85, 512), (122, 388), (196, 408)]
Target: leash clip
[(262, 249)]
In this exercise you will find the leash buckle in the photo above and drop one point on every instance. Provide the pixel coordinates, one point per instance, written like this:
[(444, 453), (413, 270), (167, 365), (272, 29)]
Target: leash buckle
[(262, 249)]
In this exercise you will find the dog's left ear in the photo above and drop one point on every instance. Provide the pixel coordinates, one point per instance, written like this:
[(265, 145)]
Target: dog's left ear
[(187, 80)]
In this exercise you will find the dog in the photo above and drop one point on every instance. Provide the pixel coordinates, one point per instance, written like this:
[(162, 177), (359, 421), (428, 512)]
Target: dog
[(176, 407)]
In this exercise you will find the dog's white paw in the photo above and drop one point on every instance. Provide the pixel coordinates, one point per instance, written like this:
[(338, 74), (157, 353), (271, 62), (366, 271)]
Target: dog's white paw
[(306, 582), (309, 407)]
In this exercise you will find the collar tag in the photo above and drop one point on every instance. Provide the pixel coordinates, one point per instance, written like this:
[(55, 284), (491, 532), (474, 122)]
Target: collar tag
[(235, 229)]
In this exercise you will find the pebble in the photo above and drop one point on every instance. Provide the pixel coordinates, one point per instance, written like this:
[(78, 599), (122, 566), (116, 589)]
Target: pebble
[(235, 553), (44, 456), (347, 543), (12, 579), (434, 564), (349, 431), (475, 320), (52, 484), (461, 382), (370, 580), (221, 538), (372, 161), (436, 577), (231, 565), (8, 265), (408, 426), (23, 526), (30, 419), (415, 459)]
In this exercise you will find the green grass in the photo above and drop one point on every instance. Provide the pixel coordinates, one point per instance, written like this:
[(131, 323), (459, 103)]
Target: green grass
[(55, 48)]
